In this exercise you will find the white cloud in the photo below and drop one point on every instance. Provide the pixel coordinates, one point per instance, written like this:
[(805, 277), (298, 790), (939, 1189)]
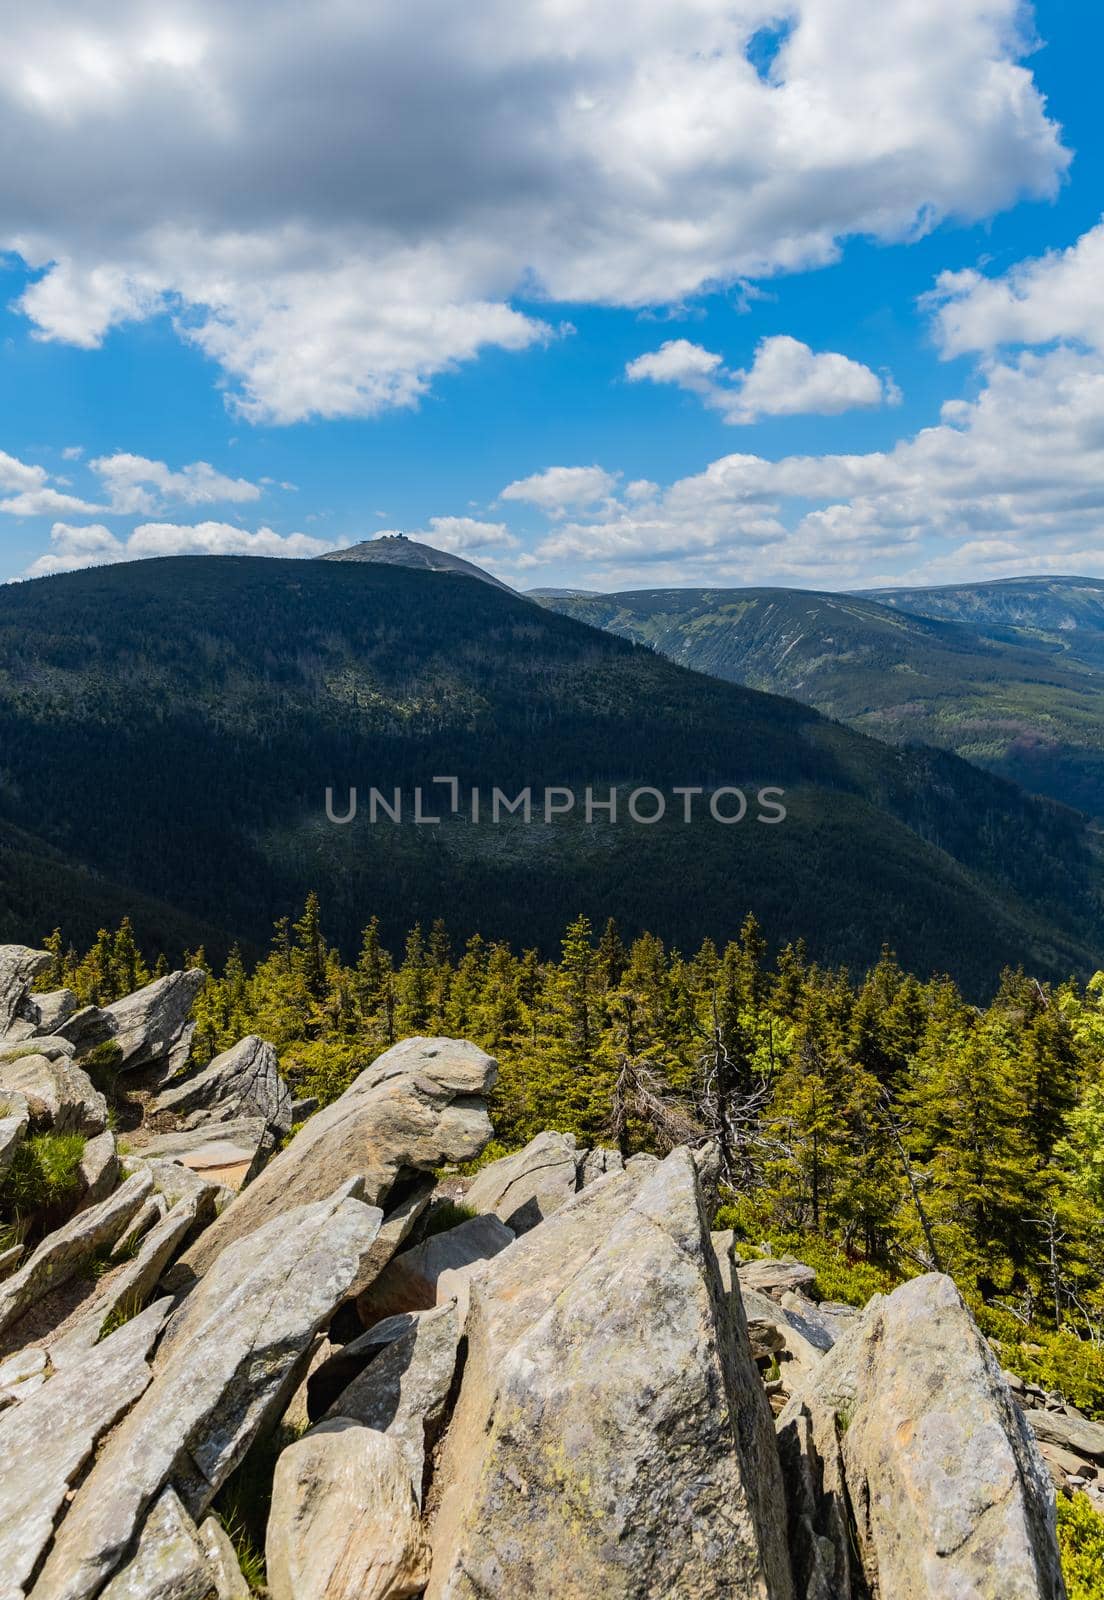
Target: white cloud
[(33, 495), (96, 545), (558, 490), (366, 196), (785, 379), (1058, 296), (139, 486), (1012, 480), (462, 534)]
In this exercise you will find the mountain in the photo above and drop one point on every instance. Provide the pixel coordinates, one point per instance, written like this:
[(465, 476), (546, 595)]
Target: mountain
[(1064, 616), (396, 550), (1015, 700), (172, 726)]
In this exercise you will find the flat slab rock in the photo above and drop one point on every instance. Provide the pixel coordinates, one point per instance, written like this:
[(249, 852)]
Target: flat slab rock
[(225, 1365), (525, 1188), (48, 1438), (221, 1152)]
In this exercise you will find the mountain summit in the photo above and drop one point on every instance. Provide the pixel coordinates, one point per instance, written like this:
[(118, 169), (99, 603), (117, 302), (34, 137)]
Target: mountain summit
[(396, 550)]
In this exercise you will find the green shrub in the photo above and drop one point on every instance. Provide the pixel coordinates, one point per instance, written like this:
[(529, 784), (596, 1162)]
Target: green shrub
[(448, 1214), (1061, 1361), (851, 1281), (322, 1069), (1081, 1541), (43, 1172), (102, 1065)]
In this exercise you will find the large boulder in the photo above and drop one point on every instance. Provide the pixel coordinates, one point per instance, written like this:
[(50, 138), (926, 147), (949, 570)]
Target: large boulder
[(243, 1081), (611, 1435), (49, 1437), (49, 1011), (524, 1188), (59, 1094), (409, 1281), (344, 1524), (419, 1105), (149, 1028), (226, 1364), (939, 1467), (98, 1171), (19, 967), (71, 1249)]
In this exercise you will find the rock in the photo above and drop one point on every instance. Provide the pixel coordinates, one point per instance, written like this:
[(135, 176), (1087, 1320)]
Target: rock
[(152, 1209), (302, 1109), (14, 1122), (596, 1163), (125, 1291), (611, 1435), (19, 967), (244, 1081), (804, 1315), (46, 1441), (774, 1275), (9, 1260), (948, 1492), (150, 1027), (98, 1170), (776, 1332), (820, 1531), (1070, 1433), (409, 1281), (58, 1093), (68, 1250), (22, 1374), (724, 1249), (51, 1010), (344, 1525), (227, 1153), (419, 1105), (174, 1182), (404, 1390), (222, 1558), (170, 1562), (50, 1045), (225, 1366), (522, 1189), (1063, 1464)]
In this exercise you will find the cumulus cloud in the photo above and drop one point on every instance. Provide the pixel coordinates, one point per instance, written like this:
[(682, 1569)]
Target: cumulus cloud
[(138, 486), (96, 545), (34, 496), (558, 490), (337, 210), (1058, 296), (1010, 481), (462, 534), (785, 379)]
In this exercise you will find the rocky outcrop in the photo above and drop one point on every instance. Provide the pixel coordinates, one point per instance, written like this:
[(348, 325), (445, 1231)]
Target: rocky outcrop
[(49, 1011), (47, 1439), (523, 1189), (938, 1468), (150, 1029), (19, 967), (610, 1422), (775, 1275), (71, 1248), (409, 1281), (60, 1095), (244, 1081), (344, 1523), (418, 1105), (99, 1169), (224, 1366)]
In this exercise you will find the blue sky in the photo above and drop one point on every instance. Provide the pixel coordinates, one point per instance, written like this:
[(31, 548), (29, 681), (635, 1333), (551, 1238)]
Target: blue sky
[(809, 293)]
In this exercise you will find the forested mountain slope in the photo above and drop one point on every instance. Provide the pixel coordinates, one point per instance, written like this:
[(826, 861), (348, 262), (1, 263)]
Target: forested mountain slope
[(1026, 702), (173, 725)]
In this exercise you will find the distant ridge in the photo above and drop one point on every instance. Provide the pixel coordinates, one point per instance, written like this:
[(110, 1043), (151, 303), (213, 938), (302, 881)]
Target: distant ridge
[(396, 550)]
